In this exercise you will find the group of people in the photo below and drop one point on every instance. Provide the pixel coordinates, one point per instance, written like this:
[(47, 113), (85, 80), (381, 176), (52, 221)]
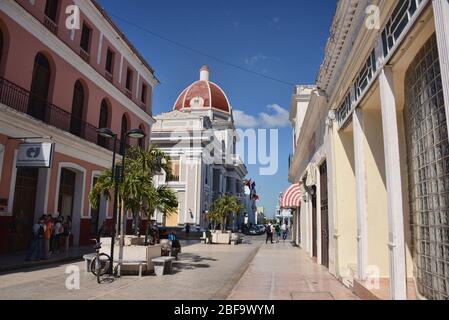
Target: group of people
[(276, 229), (47, 235)]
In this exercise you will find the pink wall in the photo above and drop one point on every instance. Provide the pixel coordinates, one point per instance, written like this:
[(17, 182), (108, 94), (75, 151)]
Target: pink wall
[(64, 34), (19, 62)]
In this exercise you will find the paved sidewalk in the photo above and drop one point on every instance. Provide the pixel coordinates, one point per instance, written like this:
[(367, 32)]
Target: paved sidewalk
[(284, 272), (17, 261), (203, 272)]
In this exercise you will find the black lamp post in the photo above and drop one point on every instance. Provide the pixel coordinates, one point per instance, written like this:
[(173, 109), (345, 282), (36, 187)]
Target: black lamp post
[(134, 134), (108, 133)]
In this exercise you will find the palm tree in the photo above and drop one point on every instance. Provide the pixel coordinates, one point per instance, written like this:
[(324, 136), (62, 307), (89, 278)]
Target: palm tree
[(137, 192), (223, 207)]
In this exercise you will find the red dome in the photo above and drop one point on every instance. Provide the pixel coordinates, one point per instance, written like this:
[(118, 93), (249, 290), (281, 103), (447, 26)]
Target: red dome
[(203, 94)]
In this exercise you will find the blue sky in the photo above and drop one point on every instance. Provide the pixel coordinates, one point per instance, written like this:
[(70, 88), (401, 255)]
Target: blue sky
[(283, 39)]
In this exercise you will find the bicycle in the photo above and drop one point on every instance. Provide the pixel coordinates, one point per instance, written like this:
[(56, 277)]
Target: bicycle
[(99, 265)]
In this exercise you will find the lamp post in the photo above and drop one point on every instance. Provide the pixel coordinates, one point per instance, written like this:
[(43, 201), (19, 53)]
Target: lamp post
[(134, 134), (108, 133)]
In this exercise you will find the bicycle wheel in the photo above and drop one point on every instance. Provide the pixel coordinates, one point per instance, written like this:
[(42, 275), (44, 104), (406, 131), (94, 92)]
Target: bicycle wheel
[(103, 266)]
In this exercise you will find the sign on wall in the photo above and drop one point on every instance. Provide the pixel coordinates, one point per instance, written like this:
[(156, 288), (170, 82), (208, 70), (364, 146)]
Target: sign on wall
[(35, 155)]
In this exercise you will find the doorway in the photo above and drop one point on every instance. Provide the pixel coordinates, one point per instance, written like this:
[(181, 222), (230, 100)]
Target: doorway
[(314, 224), (324, 216), (24, 205), (66, 193)]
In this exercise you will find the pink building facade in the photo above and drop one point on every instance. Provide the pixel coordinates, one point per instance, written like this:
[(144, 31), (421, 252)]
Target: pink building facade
[(61, 84)]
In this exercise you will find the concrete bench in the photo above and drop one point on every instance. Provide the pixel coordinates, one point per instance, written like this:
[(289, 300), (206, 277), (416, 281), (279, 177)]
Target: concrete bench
[(140, 263), (163, 265), (88, 260)]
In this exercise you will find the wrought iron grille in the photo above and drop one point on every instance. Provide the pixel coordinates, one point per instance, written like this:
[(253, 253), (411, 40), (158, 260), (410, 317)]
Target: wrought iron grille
[(428, 158), (399, 19), (23, 101)]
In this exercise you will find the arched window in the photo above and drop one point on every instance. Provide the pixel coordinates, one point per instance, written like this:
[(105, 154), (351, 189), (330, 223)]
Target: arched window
[(103, 123), (142, 141), (40, 84), (76, 122), (124, 130)]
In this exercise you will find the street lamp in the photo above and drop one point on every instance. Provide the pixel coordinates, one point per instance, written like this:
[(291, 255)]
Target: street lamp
[(109, 134), (134, 134)]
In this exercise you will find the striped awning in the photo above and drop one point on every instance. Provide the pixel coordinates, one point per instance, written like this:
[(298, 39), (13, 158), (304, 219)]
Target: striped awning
[(292, 197)]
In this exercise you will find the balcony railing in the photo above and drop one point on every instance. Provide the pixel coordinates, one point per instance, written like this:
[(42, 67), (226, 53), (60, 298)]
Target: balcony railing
[(109, 76), (50, 25), (84, 55), (23, 101)]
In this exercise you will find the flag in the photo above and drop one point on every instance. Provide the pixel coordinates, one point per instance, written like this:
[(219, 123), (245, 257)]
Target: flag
[(249, 183)]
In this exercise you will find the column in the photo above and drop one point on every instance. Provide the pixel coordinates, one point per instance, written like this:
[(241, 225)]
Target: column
[(328, 138), (398, 289), (360, 177), (441, 13)]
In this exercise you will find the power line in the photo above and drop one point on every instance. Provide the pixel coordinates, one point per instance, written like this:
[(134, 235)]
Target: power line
[(181, 45)]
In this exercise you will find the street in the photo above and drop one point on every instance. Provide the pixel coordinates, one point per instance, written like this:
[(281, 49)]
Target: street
[(252, 270)]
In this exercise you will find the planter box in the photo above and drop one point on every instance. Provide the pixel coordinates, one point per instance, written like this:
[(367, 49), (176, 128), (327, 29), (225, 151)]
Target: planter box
[(221, 238), (134, 252)]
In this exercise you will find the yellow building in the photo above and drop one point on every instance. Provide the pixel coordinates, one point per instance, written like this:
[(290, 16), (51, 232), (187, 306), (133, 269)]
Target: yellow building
[(372, 151)]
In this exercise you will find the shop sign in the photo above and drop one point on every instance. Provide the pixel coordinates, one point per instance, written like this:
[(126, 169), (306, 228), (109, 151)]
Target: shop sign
[(35, 155)]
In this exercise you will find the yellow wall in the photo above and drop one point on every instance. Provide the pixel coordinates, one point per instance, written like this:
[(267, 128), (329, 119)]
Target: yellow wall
[(376, 192), (345, 210)]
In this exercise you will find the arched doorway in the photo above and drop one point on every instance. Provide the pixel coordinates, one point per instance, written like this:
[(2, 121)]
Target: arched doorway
[(124, 131), (428, 165), (76, 121), (103, 122), (25, 193), (37, 104)]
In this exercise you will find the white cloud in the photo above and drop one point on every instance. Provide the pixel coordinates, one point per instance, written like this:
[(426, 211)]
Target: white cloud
[(280, 118), (243, 120), (275, 117), (252, 61)]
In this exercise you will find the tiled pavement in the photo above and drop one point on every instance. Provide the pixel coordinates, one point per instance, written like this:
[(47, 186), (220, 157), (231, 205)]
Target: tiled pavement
[(252, 271), (283, 272), (204, 272)]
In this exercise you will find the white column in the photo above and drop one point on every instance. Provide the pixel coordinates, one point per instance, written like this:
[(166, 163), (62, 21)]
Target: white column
[(328, 138), (360, 178), (398, 289), (441, 13)]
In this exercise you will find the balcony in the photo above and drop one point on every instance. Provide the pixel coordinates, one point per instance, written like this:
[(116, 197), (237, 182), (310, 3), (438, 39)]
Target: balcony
[(23, 101), (84, 55), (109, 76), (50, 25)]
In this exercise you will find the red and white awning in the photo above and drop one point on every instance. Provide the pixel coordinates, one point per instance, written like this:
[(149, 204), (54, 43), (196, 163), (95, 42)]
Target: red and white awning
[(292, 197)]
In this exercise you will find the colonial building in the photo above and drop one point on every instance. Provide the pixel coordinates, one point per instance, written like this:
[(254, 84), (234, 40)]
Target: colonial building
[(200, 138), (371, 157), (59, 85)]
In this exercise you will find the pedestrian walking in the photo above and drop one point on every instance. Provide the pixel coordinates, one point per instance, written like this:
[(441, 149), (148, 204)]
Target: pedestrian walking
[(284, 232), (58, 231), (37, 242), (269, 231), (47, 235), (277, 228), (67, 225)]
